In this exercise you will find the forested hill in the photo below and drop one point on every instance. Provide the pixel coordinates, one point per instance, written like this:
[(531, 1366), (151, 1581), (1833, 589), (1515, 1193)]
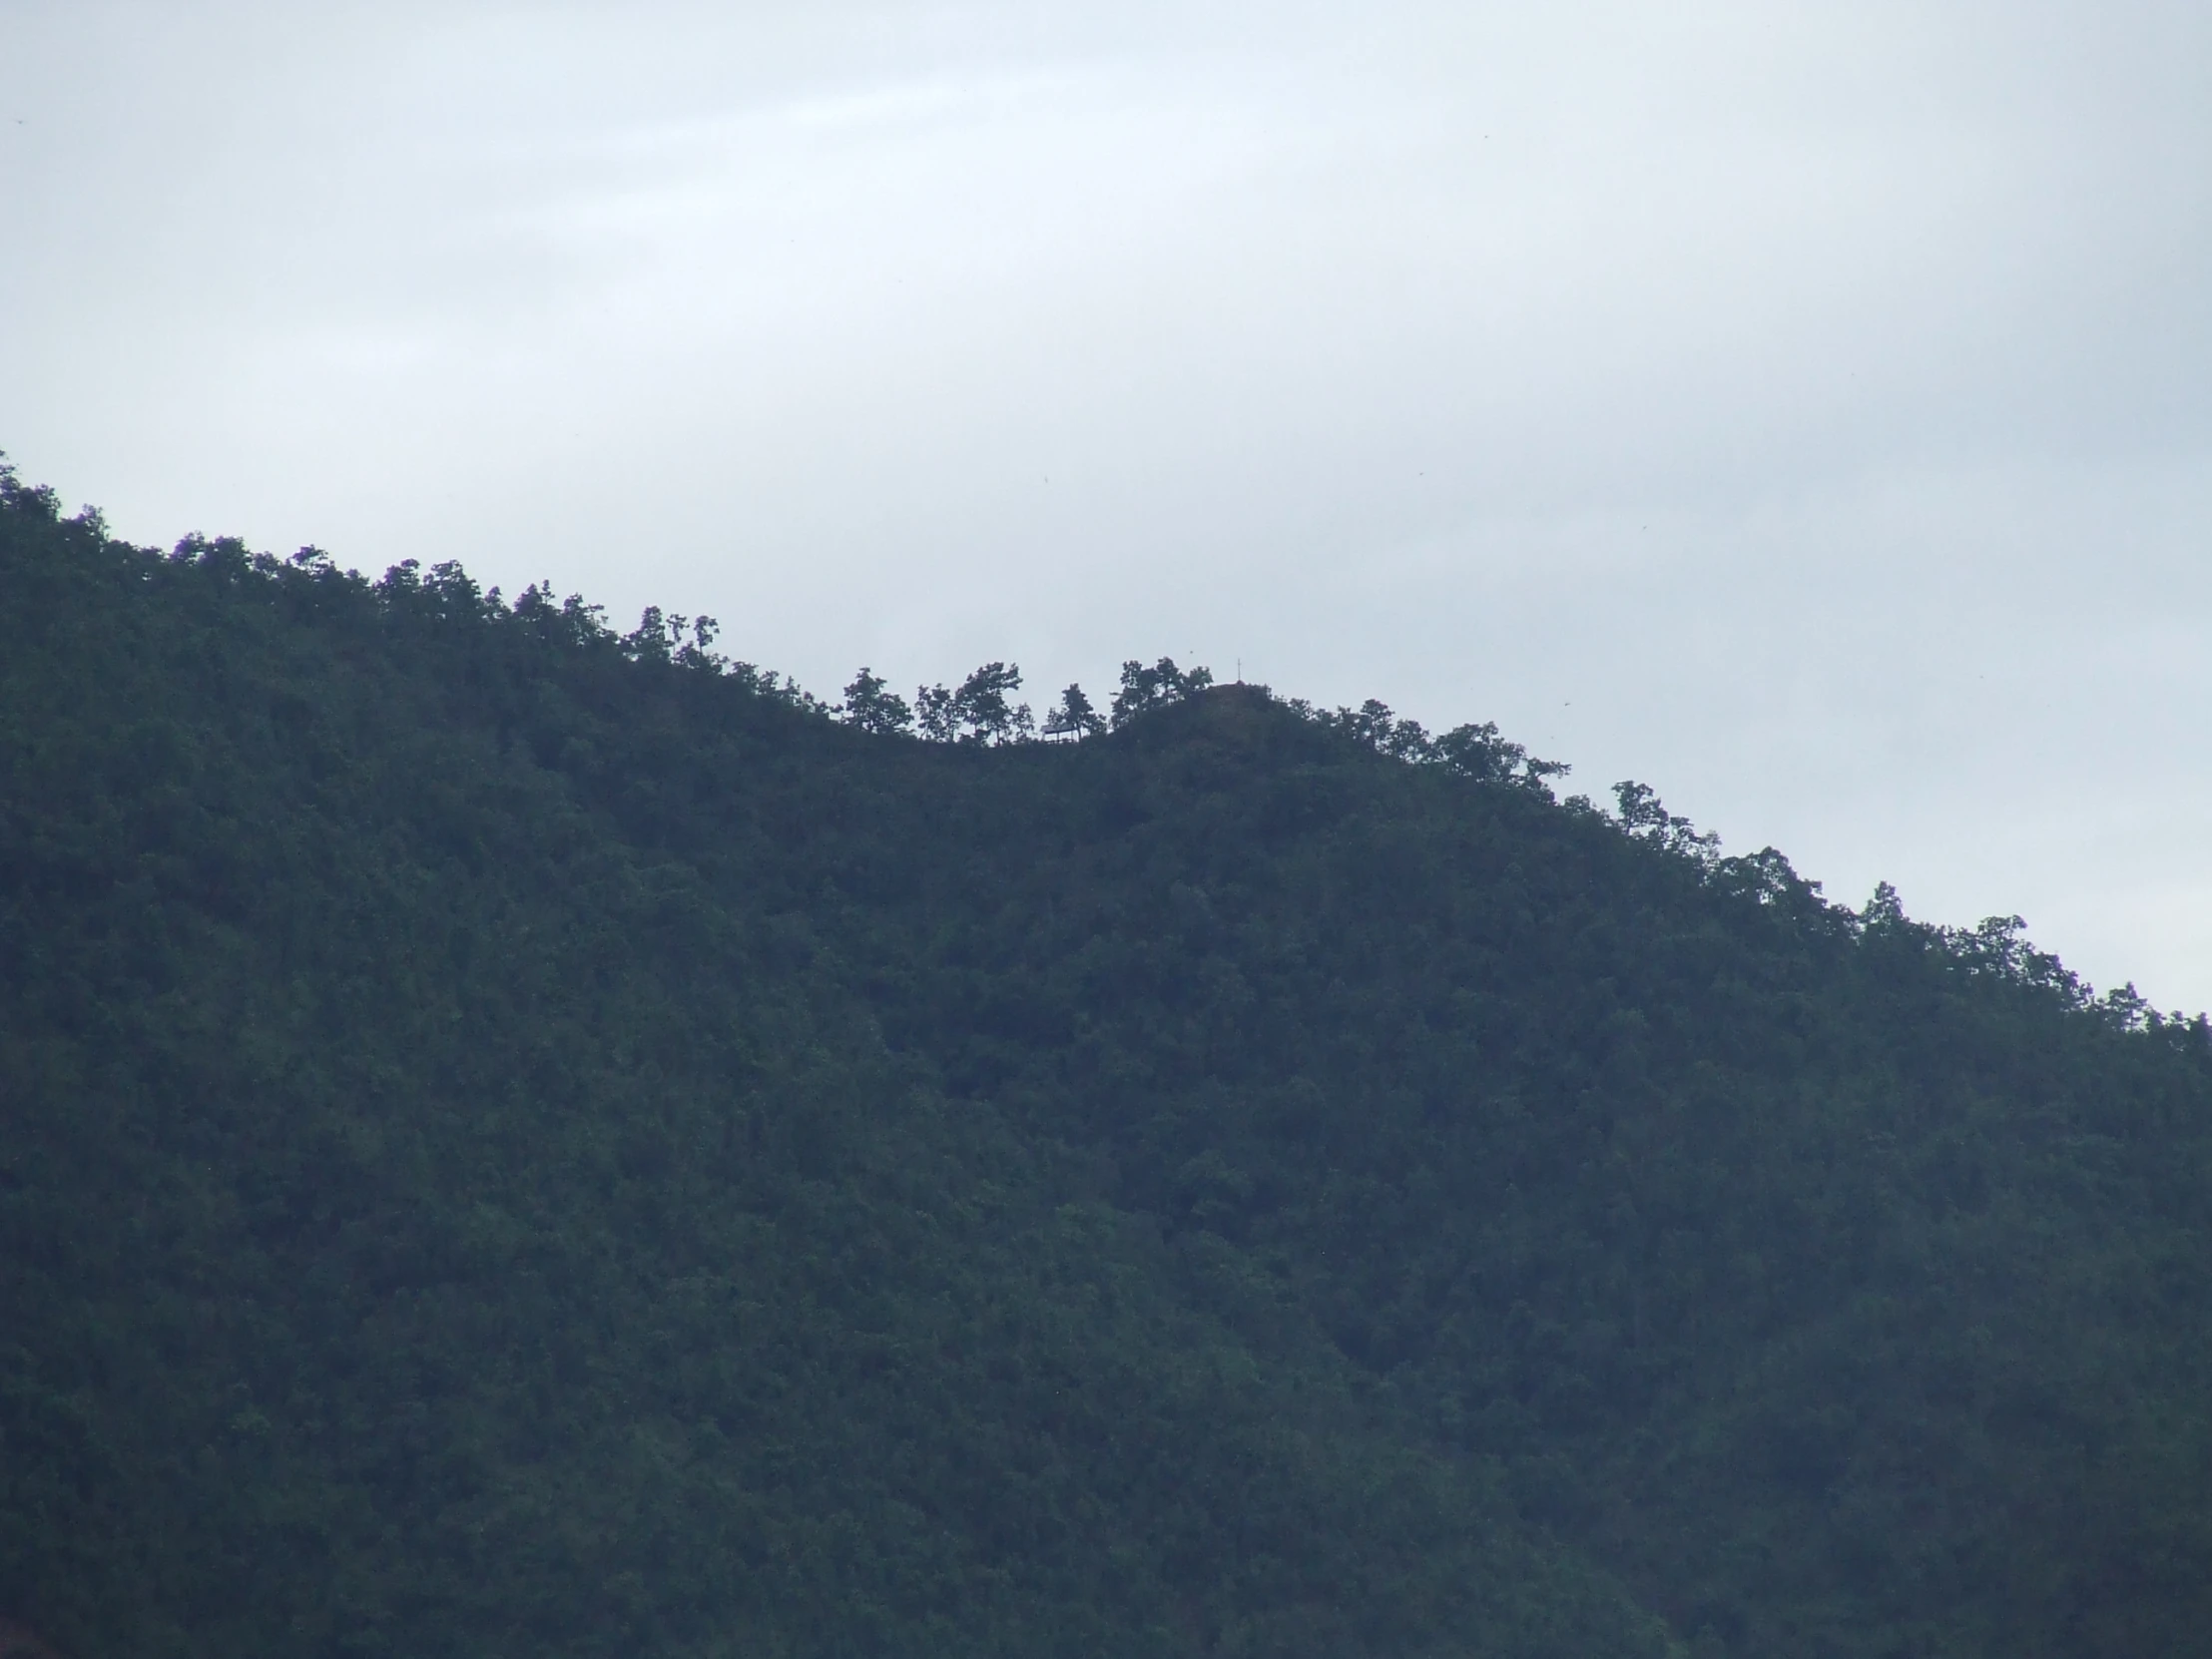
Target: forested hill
[(517, 1139)]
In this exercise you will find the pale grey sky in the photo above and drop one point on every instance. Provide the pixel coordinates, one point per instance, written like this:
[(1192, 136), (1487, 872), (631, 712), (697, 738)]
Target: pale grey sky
[(1806, 409)]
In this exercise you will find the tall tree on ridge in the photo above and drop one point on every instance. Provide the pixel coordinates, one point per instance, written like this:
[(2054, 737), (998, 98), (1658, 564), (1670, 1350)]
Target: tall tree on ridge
[(873, 706), (1074, 718)]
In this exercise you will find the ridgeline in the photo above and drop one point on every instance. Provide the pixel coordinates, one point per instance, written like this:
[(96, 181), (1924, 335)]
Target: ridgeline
[(519, 1139)]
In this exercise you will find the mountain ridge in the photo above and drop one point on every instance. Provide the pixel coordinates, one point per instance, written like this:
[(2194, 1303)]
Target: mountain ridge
[(519, 1136)]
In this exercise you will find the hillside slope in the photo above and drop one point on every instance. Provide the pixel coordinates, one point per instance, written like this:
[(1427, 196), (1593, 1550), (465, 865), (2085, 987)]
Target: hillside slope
[(519, 1139)]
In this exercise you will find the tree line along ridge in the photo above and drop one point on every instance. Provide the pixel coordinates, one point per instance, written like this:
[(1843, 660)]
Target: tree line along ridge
[(522, 1136)]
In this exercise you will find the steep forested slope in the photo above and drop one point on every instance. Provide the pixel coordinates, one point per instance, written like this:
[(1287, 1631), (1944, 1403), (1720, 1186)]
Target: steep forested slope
[(518, 1139)]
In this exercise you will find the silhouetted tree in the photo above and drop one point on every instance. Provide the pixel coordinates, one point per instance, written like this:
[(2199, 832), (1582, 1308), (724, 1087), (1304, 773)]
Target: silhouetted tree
[(1643, 816), (1145, 689), (1477, 752), (935, 715), (1074, 718), (873, 706), (984, 708)]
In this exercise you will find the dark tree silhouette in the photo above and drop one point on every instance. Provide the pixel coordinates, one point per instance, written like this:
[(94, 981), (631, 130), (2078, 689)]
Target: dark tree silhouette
[(1073, 717), (984, 708), (1145, 689), (873, 706)]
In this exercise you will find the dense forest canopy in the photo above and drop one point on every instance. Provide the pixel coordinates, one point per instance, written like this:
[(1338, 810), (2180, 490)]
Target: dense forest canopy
[(520, 1137)]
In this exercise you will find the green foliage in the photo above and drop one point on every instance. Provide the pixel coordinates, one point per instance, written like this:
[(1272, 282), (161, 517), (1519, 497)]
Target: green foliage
[(1074, 718), (873, 708), (980, 712), (518, 1137), (1146, 689)]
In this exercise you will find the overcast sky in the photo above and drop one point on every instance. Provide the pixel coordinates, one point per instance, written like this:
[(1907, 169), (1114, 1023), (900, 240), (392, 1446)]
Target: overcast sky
[(1806, 409)]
